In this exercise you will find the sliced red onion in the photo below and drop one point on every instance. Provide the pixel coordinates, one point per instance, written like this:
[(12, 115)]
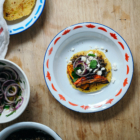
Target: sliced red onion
[(1, 96), (4, 75), (13, 72), (77, 62), (13, 93), (9, 102), (85, 72), (9, 74), (12, 108), (2, 80), (79, 58), (6, 83), (9, 88), (19, 103)]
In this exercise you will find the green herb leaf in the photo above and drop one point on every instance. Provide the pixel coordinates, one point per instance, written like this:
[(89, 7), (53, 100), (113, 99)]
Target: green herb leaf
[(75, 79), (74, 75), (91, 55), (6, 107), (17, 101), (19, 92), (77, 68), (2, 63), (93, 64), (11, 113)]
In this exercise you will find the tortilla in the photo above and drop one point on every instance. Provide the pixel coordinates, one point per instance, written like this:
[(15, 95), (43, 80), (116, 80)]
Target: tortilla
[(15, 9), (99, 86)]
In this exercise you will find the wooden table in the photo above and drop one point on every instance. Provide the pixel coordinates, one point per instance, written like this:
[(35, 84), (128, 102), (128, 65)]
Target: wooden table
[(27, 49)]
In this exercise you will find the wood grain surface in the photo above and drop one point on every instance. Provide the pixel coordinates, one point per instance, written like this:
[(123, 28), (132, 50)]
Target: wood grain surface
[(27, 49)]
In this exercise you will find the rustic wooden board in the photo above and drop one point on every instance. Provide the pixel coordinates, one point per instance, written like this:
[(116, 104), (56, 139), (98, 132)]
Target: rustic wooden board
[(27, 49)]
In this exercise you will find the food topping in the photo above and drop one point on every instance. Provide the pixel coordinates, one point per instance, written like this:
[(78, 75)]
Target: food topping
[(99, 72), (87, 69), (93, 64), (90, 58), (113, 80), (90, 52), (79, 71), (90, 79), (96, 47), (90, 67), (98, 65), (93, 55), (102, 68), (10, 90), (72, 49), (102, 48), (83, 58), (70, 62), (114, 67), (70, 70)]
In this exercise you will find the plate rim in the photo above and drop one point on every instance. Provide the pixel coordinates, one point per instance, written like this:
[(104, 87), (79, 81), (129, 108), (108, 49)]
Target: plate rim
[(30, 24), (114, 32)]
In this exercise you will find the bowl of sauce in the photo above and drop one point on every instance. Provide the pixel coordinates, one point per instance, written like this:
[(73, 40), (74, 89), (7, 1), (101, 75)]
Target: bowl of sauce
[(28, 131)]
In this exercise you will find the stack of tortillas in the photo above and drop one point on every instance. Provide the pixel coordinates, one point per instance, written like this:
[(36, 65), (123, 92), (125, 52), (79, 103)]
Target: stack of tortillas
[(4, 33)]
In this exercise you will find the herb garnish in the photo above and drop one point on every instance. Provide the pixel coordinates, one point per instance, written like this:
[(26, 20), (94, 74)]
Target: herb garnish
[(93, 64), (92, 55), (75, 76), (6, 107), (11, 113), (19, 92), (75, 79), (77, 68)]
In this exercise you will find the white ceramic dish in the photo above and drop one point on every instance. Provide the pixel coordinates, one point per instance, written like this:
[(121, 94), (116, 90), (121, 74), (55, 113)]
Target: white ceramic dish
[(26, 92), (23, 125), (24, 23), (86, 36)]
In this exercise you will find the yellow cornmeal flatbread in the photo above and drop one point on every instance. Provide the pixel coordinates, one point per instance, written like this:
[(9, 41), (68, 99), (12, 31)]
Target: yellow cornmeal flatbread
[(94, 87), (15, 9)]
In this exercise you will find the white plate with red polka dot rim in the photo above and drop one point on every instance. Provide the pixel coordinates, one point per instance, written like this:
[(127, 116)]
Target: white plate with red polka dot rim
[(82, 37)]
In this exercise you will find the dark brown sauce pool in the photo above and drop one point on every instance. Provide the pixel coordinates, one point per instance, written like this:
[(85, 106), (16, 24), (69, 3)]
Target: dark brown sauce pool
[(29, 134)]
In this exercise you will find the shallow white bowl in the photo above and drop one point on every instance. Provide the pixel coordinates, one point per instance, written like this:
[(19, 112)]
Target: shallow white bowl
[(23, 125), (24, 23), (86, 36), (25, 94)]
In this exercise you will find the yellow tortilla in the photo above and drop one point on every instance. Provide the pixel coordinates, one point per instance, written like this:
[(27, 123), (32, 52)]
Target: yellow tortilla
[(94, 87), (15, 9)]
